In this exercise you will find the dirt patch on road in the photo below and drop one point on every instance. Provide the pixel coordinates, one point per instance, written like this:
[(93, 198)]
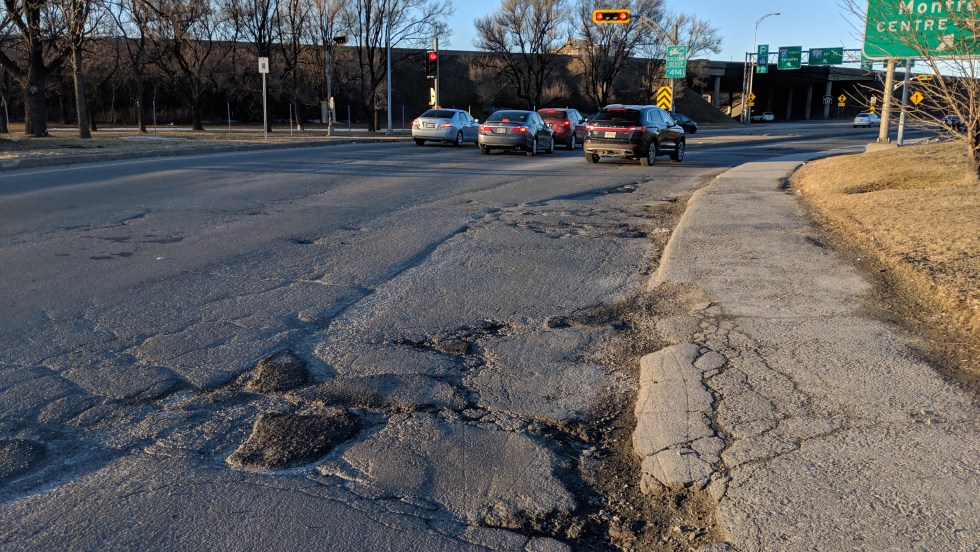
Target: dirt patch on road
[(911, 217)]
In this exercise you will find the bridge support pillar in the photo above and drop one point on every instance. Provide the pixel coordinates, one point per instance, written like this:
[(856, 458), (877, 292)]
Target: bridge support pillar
[(809, 101), (826, 107), (789, 105), (717, 93)]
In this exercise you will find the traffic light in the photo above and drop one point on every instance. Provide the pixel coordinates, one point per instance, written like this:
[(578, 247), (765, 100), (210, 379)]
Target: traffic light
[(610, 16), (431, 62), (924, 77)]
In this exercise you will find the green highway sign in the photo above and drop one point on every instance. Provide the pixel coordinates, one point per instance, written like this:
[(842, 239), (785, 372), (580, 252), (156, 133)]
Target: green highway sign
[(676, 62), (790, 57), (917, 28), (867, 64), (826, 56), (762, 59)]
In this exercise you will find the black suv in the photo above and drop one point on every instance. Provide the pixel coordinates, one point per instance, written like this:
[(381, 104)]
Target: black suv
[(635, 132)]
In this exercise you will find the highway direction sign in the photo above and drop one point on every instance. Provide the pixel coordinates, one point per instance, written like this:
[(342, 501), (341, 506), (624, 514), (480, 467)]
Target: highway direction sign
[(790, 57), (676, 62), (915, 28), (826, 56)]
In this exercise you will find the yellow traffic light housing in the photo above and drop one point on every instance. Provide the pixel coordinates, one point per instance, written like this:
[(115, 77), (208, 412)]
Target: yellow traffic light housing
[(610, 16), (924, 77)]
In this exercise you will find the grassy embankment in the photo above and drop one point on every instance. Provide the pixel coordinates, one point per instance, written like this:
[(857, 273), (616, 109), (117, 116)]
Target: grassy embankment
[(912, 216)]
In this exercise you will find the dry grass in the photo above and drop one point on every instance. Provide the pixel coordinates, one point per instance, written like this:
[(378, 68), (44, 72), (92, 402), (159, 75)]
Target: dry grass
[(65, 143), (916, 212)]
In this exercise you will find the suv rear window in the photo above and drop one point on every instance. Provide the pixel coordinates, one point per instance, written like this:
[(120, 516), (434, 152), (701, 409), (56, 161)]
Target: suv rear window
[(439, 114), (511, 116), (618, 116), (553, 114)]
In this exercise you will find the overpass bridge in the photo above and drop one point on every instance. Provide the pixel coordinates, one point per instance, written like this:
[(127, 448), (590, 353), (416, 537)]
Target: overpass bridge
[(796, 94)]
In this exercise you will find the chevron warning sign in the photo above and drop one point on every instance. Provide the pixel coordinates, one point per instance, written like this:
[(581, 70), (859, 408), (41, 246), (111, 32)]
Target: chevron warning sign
[(665, 97)]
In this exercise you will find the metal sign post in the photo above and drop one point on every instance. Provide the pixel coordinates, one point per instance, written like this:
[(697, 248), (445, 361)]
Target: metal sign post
[(264, 70)]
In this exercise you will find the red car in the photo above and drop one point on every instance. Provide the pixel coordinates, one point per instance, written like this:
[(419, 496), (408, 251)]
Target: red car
[(568, 124)]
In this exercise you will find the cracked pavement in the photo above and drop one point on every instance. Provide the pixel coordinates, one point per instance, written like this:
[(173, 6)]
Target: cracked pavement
[(356, 357), (813, 424)]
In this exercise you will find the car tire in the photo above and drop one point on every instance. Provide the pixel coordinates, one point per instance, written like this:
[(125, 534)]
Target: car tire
[(419, 142), (484, 150), (533, 149), (551, 146), (591, 157), (571, 143), (679, 151), (651, 156), (459, 139)]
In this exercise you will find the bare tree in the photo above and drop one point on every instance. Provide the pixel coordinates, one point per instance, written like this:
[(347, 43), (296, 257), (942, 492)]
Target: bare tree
[(257, 23), (38, 52), (132, 22), (79, 22), (295, 28), (527, 37), (188, 35), (327, 22), (953, 85), (375, 24), (605, 49)]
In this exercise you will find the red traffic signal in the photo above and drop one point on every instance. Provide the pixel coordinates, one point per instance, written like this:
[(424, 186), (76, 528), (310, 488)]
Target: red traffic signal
[(431, 64), (611, 16)]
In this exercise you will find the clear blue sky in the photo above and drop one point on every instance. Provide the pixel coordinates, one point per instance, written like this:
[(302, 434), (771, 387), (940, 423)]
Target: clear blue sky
[(820, 24)]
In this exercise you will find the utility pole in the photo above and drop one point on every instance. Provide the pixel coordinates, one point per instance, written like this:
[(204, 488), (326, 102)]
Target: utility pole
[(886, 108), (905, 101), (435, 85), (388, 70)]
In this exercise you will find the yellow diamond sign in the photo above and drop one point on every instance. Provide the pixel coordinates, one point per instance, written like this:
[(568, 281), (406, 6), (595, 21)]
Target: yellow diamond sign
[(751, 97), (842, 98), (917, 97)]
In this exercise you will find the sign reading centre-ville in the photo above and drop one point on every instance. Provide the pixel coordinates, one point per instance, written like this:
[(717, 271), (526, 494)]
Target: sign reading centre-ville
[(920, 28)]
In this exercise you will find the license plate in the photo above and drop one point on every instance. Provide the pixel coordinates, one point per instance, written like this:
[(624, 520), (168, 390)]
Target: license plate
[(610, 134), (500, 131), (430, 125)]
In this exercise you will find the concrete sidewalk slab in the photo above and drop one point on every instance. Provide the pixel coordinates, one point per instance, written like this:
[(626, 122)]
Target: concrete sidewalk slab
[(835, 434)]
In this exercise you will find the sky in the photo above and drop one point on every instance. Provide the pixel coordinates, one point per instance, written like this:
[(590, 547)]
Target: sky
[(820, 24)]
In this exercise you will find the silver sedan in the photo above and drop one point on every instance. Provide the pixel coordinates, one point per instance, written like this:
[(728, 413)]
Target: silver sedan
[(445, 125)]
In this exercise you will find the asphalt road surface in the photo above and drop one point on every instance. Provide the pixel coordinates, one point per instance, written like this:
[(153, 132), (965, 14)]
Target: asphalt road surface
[(359, 347)]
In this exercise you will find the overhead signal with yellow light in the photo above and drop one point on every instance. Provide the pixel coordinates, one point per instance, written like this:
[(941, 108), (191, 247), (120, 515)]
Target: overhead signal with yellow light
[(611, 16)]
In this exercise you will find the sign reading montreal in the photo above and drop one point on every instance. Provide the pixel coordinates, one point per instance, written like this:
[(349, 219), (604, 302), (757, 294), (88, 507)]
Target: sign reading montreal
[(913, 28)]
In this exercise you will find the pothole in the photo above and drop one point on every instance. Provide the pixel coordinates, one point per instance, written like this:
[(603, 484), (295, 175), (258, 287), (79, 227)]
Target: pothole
[(280, 441)]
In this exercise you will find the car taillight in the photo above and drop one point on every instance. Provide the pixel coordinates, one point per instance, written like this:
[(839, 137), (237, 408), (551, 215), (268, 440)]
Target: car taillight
[(416, 124), (637, 129), (566, 124), (519, 129), (590, 126), (447, 125), (484, 128)]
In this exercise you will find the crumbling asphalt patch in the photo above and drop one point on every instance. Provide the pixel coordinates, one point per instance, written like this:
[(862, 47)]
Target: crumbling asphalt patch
[(18, 457), (278, 373), (280, 441)]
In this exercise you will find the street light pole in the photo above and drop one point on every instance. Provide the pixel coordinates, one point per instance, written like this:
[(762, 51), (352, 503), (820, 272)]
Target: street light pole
[(389, 131), (747, 109)]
